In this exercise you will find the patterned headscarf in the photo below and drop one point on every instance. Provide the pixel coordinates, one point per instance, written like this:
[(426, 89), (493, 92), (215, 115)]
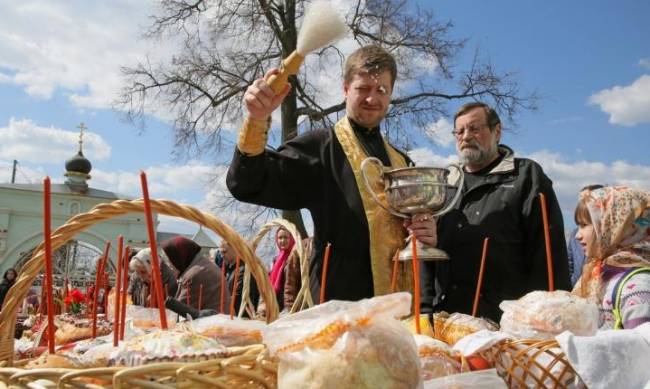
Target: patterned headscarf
[(621, 220)]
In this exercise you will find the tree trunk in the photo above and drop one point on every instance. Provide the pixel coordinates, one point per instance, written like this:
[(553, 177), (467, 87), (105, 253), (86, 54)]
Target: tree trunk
[(289, 105)]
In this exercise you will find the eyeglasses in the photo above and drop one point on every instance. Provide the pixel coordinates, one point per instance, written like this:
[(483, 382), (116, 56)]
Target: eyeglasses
[(473, 130)]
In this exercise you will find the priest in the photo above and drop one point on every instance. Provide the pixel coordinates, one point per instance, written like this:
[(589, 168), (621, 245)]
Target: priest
[(320, 171)]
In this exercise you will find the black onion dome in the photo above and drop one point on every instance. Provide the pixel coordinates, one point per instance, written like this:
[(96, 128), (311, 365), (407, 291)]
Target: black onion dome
[(78, 164)]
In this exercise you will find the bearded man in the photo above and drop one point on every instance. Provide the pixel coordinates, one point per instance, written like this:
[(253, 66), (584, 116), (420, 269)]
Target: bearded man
[(500, 201)]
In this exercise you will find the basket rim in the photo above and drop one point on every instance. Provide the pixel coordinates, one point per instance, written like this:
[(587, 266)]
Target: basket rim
[(524, 366), (106, 211)]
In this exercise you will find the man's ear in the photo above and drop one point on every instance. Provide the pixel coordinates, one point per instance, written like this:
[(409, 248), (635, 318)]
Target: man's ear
[(497, 129), (346, 88)]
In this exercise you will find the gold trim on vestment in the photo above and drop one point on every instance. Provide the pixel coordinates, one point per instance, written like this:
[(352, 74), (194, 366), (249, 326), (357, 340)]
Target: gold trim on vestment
[(385, 230), (253, 136)]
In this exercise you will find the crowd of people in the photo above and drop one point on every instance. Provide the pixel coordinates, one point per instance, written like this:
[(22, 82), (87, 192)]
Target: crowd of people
[(608, 261)]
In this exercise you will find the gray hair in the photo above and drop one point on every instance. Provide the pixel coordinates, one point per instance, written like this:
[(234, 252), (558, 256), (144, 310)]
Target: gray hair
[(142, 260)]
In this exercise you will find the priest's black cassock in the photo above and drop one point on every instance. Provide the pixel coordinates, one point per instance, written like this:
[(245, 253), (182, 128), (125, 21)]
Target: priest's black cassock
[(312, 171)]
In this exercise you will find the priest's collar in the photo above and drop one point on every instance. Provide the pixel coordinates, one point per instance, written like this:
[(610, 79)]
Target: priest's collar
[(361, 129), (371, 141)]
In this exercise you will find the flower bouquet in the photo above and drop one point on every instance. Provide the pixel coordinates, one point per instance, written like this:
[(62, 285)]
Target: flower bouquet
[(75, 301)]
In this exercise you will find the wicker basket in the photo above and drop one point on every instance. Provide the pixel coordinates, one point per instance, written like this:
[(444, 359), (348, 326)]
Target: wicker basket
[(248, 368), (304, 297), (83, 221), (531, 363)]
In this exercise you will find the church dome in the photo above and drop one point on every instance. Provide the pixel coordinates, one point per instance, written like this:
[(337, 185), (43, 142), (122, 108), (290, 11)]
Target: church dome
[(78, 164)]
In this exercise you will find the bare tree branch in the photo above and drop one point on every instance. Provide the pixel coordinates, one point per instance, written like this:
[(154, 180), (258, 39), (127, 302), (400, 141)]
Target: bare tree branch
[(224, 45)]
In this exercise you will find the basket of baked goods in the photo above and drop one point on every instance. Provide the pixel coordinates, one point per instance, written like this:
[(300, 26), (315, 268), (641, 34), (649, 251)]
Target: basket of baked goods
[(130, 345), (523, 349)]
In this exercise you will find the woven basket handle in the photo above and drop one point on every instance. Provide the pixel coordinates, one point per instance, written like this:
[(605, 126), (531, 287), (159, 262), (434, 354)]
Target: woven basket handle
[(107, 211), (303, 298)]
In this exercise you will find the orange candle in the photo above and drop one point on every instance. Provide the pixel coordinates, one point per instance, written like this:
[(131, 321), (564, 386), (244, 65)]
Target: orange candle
[(200, 296), (235, 282), (117, 294), (323, 280), (155, 262), (547, 240), (416, 282), (188, 290), (47, 216), (66, 292), (152, 291), (107, 288), (393, 279), (479, 283), (98, 280), (223, 286), (43, 301), (125, 287)]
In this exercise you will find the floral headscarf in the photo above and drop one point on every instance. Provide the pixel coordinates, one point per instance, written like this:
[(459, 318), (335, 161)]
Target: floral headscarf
[(621, 220)]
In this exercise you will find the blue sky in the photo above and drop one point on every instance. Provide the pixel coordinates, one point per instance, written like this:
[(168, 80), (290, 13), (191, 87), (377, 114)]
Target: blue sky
[(568, 51), (59, 66)]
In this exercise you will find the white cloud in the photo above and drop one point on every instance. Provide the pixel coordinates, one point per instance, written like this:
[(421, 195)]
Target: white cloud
[(75, 46), (24, 140), (626, 105), (644, 62), (177, 225), (166, 181), (426, 157), (569, 177), (440, 132), (24, 174)]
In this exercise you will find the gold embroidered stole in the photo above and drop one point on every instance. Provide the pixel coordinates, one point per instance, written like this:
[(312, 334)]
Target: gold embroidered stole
[(385, 230)]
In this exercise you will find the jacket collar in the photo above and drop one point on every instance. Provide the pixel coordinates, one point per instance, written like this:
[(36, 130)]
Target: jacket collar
[(506, 165)]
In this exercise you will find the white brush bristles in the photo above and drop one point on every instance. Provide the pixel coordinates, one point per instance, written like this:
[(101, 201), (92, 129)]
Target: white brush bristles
[(321, 26)]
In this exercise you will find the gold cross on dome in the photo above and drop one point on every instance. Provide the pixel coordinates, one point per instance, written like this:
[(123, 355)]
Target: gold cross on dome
[(81, 128)]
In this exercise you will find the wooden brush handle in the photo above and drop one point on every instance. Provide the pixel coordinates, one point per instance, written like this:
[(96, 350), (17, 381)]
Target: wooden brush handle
[(289, 66)]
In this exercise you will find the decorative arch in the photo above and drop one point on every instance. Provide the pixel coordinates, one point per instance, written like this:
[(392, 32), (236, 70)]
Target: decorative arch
[(91, 242)]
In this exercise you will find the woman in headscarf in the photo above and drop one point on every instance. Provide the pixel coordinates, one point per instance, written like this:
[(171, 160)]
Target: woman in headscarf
[(614, 231), (195, 270), (7, 282), (284, 261), (284, 241), (140, 283)]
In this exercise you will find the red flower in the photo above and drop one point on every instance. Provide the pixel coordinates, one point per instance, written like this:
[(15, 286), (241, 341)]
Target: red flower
[(77, 296), (68, 300)]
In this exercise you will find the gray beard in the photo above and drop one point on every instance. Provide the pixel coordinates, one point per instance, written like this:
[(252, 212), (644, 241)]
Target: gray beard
[(478, 156)]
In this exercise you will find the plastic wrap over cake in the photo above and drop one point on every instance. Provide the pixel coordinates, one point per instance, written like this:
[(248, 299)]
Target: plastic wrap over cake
[(165, 346), (543, 315), (227, 331), (342, 344)]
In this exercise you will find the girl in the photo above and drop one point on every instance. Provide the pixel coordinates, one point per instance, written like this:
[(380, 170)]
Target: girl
[(614, 231)]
